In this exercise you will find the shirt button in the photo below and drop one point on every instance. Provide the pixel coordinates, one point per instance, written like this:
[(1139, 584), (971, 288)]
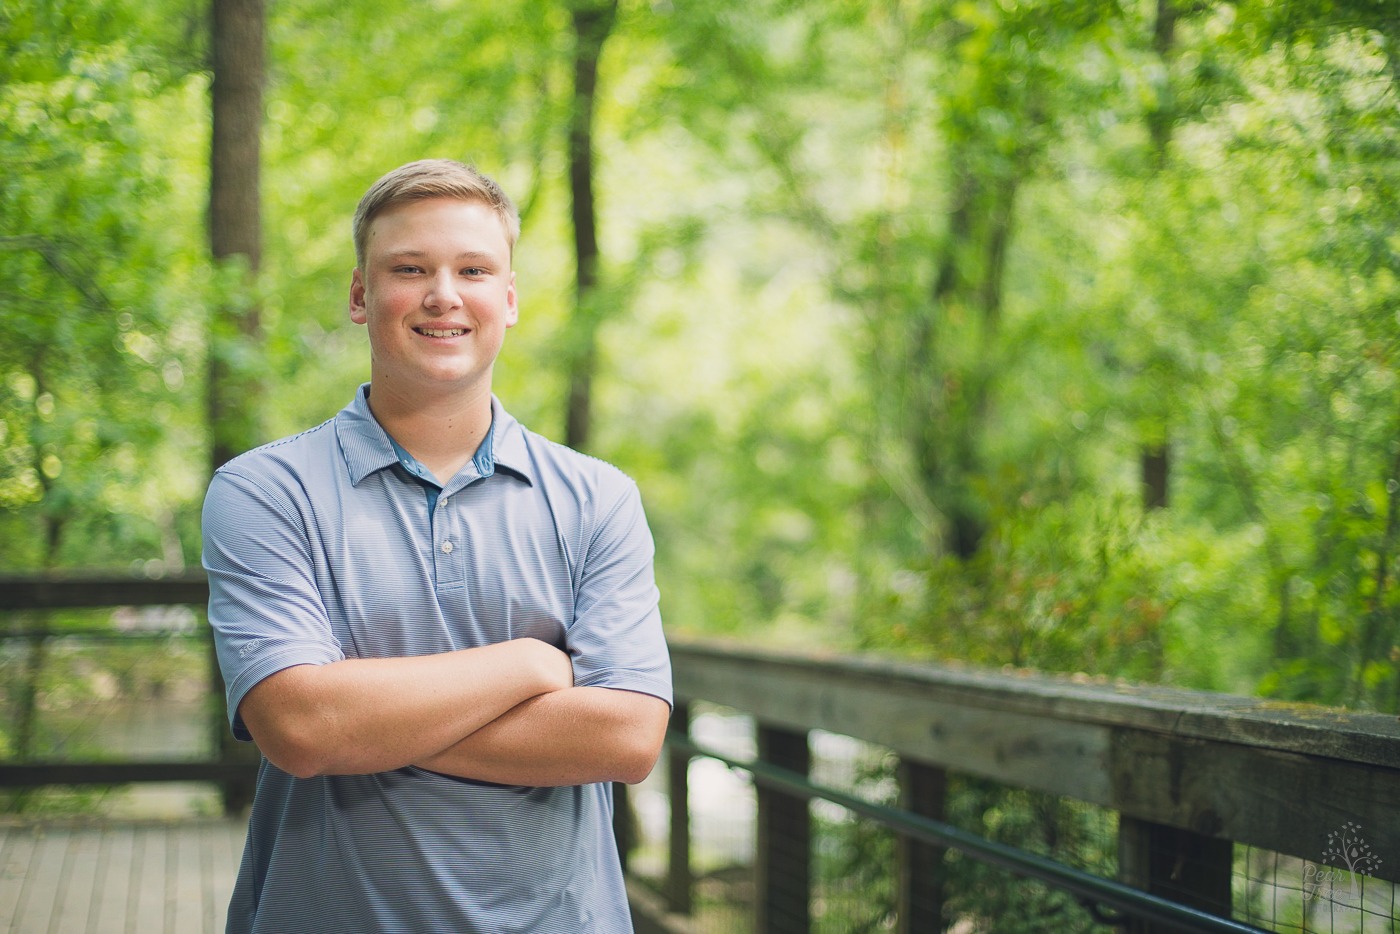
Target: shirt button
[(447, 548)]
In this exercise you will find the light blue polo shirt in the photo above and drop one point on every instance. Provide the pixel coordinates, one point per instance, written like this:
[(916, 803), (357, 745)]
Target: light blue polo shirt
[(322, 547)]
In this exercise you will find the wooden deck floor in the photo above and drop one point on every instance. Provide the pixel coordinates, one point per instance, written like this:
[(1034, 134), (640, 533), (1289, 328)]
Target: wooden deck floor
[(118, 878)]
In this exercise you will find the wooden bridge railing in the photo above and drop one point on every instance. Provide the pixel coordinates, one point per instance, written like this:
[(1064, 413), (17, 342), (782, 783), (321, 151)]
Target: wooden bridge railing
[(232, 767), (1188, 773)]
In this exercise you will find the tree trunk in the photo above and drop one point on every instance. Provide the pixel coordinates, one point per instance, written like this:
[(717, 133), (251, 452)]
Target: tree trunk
[(234, 391), (1156, 471), (954, 396), (235, 228), (1155, 454), (592, 23)]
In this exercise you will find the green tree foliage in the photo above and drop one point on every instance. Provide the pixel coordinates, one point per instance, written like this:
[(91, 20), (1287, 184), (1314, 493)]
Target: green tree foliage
[(893, 302), (97, 344)]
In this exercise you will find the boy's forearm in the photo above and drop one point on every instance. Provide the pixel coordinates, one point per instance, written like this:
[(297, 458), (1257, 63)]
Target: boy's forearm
[(571, 737), (369, 715)]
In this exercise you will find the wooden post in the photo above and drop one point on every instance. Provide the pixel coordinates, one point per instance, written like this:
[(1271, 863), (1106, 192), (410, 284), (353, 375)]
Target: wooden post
[(1181, 865), (783, 857), (623, 823), (923, 790), (680, 880), (35, 659), (237, 793)]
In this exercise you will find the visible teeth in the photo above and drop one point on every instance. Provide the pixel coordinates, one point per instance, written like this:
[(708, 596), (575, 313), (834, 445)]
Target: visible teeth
[(453, 332)]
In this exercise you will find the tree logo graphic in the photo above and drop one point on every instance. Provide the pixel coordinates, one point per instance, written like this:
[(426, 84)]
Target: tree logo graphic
[(1347, 856)]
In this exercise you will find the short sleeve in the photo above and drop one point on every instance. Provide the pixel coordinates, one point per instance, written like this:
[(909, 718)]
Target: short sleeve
[(265, 607), (616, 638)]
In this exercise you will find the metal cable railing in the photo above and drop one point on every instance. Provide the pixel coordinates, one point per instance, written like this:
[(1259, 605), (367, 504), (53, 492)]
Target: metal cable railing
[(1093, 891)]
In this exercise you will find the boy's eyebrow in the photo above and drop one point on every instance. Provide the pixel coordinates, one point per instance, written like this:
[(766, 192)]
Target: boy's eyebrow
[(410, 253), (396, 255)]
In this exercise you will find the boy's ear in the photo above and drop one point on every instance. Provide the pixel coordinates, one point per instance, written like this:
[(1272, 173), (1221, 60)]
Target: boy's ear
[(512, 303), (358, 313)]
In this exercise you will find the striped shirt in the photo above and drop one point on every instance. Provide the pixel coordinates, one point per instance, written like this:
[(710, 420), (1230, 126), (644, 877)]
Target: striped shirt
[(324, 546)]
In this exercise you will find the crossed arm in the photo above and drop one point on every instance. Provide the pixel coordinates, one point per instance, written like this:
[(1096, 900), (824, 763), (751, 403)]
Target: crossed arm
[(506, 713)]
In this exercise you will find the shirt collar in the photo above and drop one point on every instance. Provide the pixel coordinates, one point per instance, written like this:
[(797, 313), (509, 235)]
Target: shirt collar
[(367, 447), (508, 447)]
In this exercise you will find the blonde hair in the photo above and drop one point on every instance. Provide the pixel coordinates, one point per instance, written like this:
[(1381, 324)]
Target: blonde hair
[(432, 178)]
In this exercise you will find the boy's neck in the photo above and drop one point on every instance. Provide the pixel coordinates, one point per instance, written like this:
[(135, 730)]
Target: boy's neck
[(441, 433)]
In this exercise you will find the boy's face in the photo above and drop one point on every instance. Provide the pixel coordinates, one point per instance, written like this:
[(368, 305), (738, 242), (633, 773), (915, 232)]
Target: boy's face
[(437, 294)]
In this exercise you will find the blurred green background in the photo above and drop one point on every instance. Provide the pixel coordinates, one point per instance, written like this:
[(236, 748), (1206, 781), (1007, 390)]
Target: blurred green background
[(1057, 335)]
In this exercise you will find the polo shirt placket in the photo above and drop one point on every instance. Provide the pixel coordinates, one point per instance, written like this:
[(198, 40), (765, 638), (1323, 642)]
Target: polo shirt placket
[(451, 547)]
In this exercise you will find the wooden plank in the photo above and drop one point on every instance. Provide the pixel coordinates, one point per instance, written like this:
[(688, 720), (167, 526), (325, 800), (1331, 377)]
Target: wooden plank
[(923, 790), (40, 887), (1004, 745), (783, 861), (39, 774), (15, 853), (53, 592), (225, 870), (73, 901), (1280, 801), (209, 846), (149, 878), (760, 677), (1188, 868), (1272, 776), (623, 824), (112, 883), (146, 903), (650, 914), (185, 889), (680, 877), (135, 883)]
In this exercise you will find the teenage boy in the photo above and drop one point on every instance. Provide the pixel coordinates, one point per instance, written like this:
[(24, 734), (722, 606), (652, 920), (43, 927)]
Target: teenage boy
[(440, 628)]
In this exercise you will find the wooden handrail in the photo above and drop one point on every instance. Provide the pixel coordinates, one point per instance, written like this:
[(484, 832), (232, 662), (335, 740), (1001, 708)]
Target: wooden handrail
[(235, 764), (1277, 776), (713, 668), (69, 591)]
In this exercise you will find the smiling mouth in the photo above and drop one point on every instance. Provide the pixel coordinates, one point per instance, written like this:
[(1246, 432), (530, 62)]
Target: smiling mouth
[(441, 332)]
